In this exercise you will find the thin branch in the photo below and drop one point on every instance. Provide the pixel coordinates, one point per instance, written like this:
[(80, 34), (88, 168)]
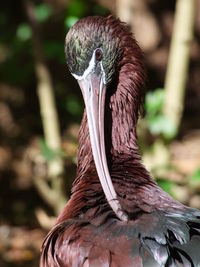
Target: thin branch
[(49, 119), (177, 70), (123, 10)]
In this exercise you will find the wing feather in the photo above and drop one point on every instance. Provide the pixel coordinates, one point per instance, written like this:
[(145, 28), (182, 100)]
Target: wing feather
[(152, 240)]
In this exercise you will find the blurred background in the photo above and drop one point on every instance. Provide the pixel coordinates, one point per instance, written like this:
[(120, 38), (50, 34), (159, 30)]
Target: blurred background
[(41, 108)]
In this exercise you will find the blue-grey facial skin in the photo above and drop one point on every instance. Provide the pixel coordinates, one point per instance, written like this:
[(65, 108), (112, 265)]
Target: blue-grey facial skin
[(80, 44)]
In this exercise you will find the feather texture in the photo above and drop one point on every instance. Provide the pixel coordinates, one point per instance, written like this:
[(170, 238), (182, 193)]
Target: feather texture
[(160, 231), (171, 239)]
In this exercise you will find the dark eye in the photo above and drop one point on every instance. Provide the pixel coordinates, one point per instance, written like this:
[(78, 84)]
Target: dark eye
[(98, 54)]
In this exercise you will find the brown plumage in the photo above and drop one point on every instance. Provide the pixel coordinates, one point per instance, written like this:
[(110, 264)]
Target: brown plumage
[(159, 231)]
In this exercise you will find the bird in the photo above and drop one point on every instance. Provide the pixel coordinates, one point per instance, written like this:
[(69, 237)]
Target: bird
[(117, 215)]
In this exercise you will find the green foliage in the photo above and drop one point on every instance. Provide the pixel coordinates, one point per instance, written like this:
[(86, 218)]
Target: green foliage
[(24, 32), (100, 10), (48, 153), (77, 8), (14, 56), (54, 49), (166, 185), (194, 179), (73, 106), (70, 21), (43, 12), (154, 101), (156, 121), (159, 124)]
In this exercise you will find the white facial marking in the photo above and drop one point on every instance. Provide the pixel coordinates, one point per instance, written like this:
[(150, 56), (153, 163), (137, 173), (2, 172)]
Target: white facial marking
[(90, 69)]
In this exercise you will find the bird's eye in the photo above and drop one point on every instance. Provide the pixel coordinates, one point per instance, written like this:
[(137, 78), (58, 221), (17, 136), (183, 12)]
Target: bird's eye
[(98, 54)]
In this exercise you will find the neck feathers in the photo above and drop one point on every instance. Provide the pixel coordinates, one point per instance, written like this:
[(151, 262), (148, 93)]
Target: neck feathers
[(126, 101), (124, 97), (122, 108)]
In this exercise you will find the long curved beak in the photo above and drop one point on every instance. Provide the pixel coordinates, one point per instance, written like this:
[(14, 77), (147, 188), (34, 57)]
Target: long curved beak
[(94, 91)]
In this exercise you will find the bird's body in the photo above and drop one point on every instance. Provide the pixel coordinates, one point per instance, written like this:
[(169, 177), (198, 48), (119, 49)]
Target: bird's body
[(117, 215)]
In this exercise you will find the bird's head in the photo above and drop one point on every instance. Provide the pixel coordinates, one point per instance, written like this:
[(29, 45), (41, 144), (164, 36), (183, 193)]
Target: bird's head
[(96, 48), (92, 45)]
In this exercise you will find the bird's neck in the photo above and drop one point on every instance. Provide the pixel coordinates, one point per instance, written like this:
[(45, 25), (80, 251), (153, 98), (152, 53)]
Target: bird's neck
[(122, 107), (128, 174), (121, 116), (125, 103), (124, 121)]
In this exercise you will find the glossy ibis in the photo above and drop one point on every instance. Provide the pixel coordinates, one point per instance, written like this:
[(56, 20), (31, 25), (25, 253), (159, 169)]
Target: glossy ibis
[(117, 214)]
